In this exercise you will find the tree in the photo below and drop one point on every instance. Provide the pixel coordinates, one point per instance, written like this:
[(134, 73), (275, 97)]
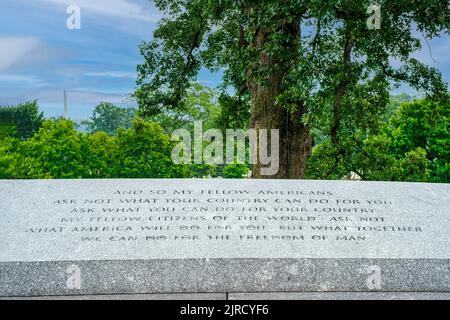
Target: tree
[(235, 171), (56, 151), (424, 124), (412, 146), (8, 147), (303, 64), (20, 121), (200, 104), (109, 118), (395, 102), (144, 151), (99, 158)]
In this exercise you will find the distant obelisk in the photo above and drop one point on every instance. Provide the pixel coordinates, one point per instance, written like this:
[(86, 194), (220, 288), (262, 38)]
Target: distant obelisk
[(66, 109)]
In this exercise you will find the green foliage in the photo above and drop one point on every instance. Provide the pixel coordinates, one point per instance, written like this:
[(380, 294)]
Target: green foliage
[(20, 121), (200, 104), (203, 171), (101, 148), (144, 151), (424, 124), (394, 104), (8, 145), (57, 150), (305, 42), (109, 118), (235, 112), (413, 146), (235, 171)]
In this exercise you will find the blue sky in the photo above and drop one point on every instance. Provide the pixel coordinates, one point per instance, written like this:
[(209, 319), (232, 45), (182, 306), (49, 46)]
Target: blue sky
[(40, 57)]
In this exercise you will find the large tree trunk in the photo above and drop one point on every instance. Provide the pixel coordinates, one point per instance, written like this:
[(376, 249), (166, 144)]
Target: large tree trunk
[(295, 139)]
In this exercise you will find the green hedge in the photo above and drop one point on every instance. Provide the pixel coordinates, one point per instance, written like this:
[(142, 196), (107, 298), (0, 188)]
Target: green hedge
[(20, 121)]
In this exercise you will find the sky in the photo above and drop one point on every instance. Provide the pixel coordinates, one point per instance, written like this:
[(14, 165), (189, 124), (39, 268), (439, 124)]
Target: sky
[(40, 57)]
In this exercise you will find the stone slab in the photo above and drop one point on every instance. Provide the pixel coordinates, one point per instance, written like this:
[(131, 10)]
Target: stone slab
[(220, 275), (88, 237), (258, 296), (341, 296), (185, 296)]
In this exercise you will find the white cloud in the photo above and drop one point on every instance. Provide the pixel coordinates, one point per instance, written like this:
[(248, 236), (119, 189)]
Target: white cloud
[(22, 81), (119, 8), (112, 74), (15, 49)]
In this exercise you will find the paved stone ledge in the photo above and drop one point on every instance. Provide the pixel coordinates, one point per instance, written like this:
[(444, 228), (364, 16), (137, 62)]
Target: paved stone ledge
[(341, 296), (259, 296), (182, 296), (223, 275)]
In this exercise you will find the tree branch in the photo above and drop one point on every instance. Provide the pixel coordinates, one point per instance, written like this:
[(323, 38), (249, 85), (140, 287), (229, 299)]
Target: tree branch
[(341, 91)]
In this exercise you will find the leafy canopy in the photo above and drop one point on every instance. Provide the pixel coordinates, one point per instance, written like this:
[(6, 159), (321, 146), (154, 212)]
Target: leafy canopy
[(223, 35), (412, 146), (20, 121), (109, 118)]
